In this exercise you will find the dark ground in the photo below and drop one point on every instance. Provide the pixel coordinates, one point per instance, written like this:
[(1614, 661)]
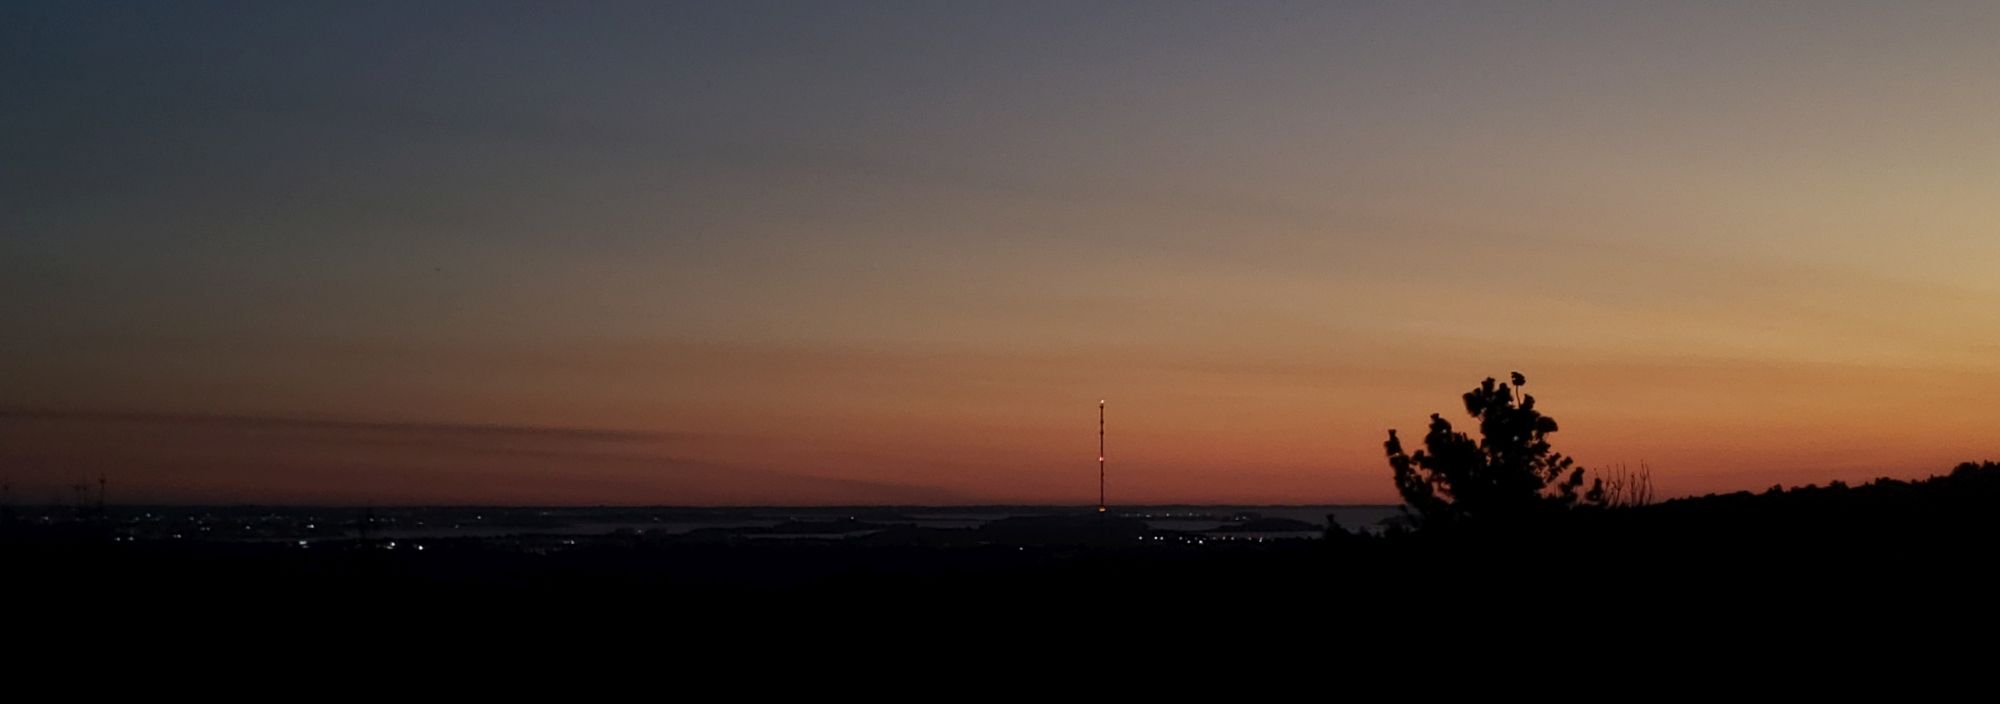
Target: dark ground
[(1818, 567)]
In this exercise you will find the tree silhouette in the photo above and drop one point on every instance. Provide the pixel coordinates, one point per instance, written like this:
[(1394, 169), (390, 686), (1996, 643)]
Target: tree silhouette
[(1508, 474)]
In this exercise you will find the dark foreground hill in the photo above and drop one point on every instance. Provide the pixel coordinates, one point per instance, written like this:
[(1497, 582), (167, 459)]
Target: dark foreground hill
[(1942, 509), (1736, 555), (1941, 515)]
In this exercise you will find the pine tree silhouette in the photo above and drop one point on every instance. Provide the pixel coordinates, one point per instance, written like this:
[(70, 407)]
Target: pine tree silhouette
[(1509, 473)]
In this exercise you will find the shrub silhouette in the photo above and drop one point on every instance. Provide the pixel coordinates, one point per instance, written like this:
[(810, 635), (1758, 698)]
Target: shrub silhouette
[(1621, 487), (1509, 474)]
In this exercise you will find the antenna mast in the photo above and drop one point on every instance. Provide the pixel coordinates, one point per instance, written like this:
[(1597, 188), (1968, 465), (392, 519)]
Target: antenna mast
[(1100, 456)]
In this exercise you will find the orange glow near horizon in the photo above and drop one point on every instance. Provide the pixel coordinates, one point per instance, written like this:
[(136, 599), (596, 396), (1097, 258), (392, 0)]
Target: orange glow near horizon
[(708, 255)]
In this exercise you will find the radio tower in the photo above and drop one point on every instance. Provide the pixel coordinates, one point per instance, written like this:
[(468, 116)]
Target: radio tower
[(1100, 455)]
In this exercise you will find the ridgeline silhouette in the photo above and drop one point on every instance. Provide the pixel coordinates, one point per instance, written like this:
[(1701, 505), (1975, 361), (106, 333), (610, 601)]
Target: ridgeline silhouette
[(1508, 529)]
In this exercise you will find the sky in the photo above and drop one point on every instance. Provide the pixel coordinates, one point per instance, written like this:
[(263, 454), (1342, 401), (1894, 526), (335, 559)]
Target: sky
[(895, 253)]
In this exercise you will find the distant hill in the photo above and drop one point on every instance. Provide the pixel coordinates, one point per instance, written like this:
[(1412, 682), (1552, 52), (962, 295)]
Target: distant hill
[(1268, 525)]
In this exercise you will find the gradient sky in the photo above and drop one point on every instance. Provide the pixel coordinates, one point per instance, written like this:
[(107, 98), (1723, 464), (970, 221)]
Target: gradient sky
[(774, 253)]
